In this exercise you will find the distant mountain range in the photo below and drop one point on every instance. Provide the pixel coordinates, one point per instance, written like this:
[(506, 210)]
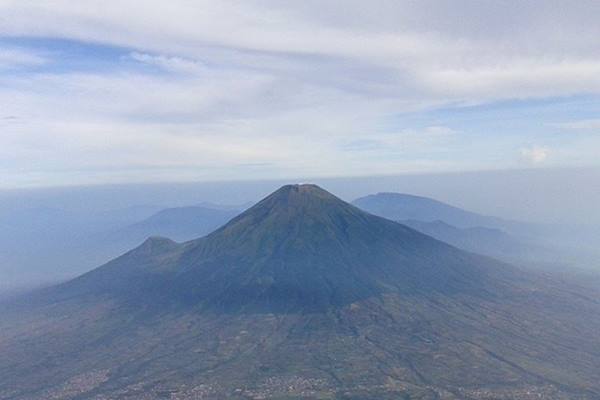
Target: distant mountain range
[(46, 244), (180, 223), (464, 229), (280, 246), (549, 247), (303, 296), (482, 240), (42, 245), (402, 207)]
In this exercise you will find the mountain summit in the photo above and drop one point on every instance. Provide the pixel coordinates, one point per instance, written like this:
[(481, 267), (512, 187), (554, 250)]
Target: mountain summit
[(303, 296), (299, 249)]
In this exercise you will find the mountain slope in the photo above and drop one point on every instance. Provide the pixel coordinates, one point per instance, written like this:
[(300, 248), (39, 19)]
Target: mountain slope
[(303, 296)]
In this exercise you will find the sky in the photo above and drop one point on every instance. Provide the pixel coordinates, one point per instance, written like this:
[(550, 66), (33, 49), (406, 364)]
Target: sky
[(96, 92)]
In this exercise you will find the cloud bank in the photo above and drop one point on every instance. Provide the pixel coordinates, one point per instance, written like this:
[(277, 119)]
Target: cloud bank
[(179, 90)]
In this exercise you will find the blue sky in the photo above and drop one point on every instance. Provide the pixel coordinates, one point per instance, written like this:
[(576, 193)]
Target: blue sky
[(100, 93)]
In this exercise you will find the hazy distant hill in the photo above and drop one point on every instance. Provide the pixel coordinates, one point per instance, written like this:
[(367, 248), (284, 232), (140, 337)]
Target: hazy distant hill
[(45, 244), (488, 241), (464, 229), (400, 206), (303, 296), (179, 223), (553, 247)]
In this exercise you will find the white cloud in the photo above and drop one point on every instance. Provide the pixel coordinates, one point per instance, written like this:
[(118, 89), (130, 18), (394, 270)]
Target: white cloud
[(295, 87), (519, 79), (534, 154), (172, 64), (422, 51), (82, 127)]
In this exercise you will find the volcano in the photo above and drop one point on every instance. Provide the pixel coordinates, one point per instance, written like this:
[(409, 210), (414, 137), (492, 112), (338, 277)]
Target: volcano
[(300, 249), (303, 296)]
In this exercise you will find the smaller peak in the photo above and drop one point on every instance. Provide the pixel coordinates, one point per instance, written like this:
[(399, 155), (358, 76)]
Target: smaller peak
[(154, 243), (158, 239)]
